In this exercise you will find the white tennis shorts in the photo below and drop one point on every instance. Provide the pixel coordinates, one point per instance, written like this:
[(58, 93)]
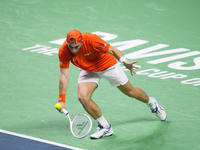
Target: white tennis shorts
[(115, 75)]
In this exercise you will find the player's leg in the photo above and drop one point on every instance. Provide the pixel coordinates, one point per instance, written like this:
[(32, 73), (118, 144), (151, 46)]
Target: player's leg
[(116, 76), (85, 91), (88, 82), (140, 95), (131, 91)]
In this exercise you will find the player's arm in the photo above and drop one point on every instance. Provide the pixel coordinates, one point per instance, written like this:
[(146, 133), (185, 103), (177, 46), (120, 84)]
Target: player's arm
[(120, 57), (63, 84)]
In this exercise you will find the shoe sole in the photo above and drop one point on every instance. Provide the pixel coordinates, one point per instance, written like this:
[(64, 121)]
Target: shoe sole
[(106, 135), (101, 137), (162, 110), (164, 120)]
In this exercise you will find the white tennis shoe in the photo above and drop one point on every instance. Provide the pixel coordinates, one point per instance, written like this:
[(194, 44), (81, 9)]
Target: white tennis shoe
[(102, 132), (159, 110)]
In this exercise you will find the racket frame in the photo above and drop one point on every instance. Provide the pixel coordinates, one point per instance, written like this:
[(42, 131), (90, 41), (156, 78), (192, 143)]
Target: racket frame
[(71, 122)]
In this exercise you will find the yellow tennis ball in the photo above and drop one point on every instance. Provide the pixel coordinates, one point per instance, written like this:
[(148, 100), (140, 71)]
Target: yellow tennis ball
[(58, 106)]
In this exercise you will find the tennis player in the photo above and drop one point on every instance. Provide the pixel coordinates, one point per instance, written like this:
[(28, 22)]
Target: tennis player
[(98, 59)]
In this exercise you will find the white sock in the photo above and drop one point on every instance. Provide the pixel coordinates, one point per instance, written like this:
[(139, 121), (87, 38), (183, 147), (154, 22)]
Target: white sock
[(102, 121), (151, 103)]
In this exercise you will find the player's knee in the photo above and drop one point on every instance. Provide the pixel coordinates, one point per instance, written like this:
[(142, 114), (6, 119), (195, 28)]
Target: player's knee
[(131, 94), (83, 98)]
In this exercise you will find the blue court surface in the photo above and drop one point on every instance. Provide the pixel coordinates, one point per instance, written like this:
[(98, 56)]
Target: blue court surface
[(14, 141)]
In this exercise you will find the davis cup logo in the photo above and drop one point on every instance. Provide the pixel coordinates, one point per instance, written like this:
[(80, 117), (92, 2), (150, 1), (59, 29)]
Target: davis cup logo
[(172, 58)]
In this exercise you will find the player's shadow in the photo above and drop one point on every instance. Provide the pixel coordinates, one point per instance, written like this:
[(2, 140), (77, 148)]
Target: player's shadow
[(154, 136), (136, 120)]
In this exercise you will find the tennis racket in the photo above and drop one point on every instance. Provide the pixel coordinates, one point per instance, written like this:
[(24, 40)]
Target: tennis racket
[(80, 125)]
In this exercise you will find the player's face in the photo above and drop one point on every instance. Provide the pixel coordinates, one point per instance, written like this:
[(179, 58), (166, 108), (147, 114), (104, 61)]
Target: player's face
[(74, 48)]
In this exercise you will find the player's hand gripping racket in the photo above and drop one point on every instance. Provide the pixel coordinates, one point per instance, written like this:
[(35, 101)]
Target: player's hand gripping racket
[(80, 126)]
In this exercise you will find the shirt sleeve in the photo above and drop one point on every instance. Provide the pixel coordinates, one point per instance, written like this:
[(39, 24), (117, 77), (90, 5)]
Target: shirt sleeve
[(63, 60), (100, 45)]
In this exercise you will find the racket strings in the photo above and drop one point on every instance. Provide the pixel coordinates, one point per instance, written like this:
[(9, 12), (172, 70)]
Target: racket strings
[(81, 125)]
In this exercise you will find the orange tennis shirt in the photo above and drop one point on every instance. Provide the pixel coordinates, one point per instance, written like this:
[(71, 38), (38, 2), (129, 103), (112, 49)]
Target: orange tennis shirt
[(92, 56)]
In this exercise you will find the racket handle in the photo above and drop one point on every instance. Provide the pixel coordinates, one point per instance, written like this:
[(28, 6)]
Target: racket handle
[(65, 111)]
